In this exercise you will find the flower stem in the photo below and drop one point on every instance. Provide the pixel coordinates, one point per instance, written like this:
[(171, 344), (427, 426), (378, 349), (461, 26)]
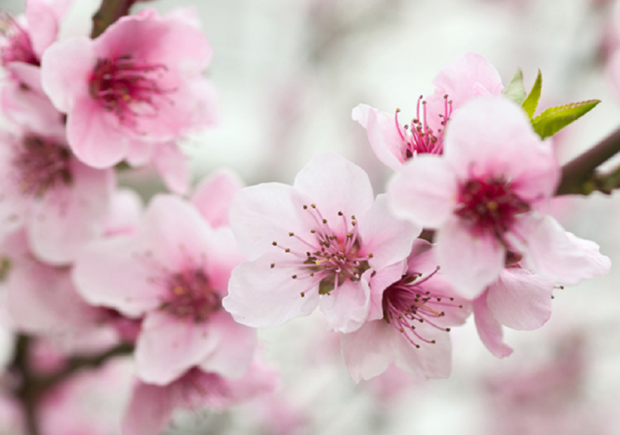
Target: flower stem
[(579, 175)]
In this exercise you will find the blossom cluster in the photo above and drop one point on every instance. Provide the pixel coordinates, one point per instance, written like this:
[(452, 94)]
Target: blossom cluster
[(182, 282)]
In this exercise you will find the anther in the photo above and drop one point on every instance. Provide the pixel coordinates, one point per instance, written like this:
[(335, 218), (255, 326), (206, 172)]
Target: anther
[(291, 234), (273, 265), (274, 243), (302, 294)]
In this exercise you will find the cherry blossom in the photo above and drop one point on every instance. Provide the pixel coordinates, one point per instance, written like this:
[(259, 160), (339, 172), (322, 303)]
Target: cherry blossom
[(483, 196), (313, 244), (173, 273), (466, 77), (137, 85), (417, 306), (151, 406)]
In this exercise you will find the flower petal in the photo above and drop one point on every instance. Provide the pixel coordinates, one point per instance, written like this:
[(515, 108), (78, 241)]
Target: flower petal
[(382, 135), (346, 308), (213, 196), (263, 296), (520, 299), (149, 410), (425, 191), (469, 262), (489, 329), (172, 166)]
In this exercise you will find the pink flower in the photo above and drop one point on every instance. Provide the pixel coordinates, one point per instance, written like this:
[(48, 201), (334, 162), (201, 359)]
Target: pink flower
[(138, 84), (466, 77), (483, 197), (415, 306), (313, 243), (151, 406), (174, 273), (26, 38), (58, 199)]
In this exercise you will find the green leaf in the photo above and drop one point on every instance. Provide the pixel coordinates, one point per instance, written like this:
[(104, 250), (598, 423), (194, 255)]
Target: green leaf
[(531, 102), (555, 119), (515, 89)]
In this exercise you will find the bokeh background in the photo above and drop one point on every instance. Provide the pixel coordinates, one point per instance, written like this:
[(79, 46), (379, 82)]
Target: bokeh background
[(288, 73)]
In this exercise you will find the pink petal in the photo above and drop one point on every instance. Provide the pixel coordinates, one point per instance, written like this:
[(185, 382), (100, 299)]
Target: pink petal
[(261, 296), (176, 233), (489, 329), (63, 221), (557, 254), (382, 135), (172, 166), (42, 25), (429, 360), (346, 308), (422, 258), (235, 349), (161, 40), (520, 299), (110, 273), (139, 153), (369, 351), (425, 191), (224, 256), (467, 77), (378, 282), (266, 213), (383, 235), (213, 196), (468, 261), (168, 346), (149, 411), (124, 213), (65, 71), (27, 75), (335, 185)]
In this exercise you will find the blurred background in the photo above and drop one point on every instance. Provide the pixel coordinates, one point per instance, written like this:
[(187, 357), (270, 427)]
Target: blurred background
[(288, 73)]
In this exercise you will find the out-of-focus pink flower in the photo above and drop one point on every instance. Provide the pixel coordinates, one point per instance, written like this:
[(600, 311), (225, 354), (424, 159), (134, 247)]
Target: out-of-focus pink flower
[(519, 299), (25, 39), (41, 299), (174, 272), (213, 196), (58, 199), (466, 77), (137, 85), (483, 196), (313, 243), (151, 406), (90, 402), (415, 306)]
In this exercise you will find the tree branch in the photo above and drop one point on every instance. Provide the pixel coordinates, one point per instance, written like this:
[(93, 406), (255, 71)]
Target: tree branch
[(579, 175), (108, 13)]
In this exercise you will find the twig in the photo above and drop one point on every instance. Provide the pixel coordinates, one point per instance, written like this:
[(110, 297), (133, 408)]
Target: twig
[(108, 13)]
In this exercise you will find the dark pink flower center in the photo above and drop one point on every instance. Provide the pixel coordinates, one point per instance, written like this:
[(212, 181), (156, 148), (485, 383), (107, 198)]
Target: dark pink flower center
[(42, 164), (129, 88), (420, 138), (190, 295), (330, 258), (406, 303), (17, 46), (489, 205)]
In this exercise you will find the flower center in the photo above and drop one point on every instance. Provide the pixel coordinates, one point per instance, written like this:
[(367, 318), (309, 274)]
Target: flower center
[(490, 206), (406, 303), (331, 256), (127, 87), (420, 138), (190, 295), (41, 165), (17, 47)]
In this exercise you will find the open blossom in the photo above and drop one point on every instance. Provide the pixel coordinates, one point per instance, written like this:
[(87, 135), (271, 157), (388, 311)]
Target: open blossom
[(151, 407), (417, 307), (466, 77), (58, 199), (313, 244), (483, 197), (173, 273), (137, 85)]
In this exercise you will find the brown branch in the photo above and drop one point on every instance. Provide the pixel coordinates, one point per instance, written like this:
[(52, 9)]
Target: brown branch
[(579, 175), (108, 13)]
